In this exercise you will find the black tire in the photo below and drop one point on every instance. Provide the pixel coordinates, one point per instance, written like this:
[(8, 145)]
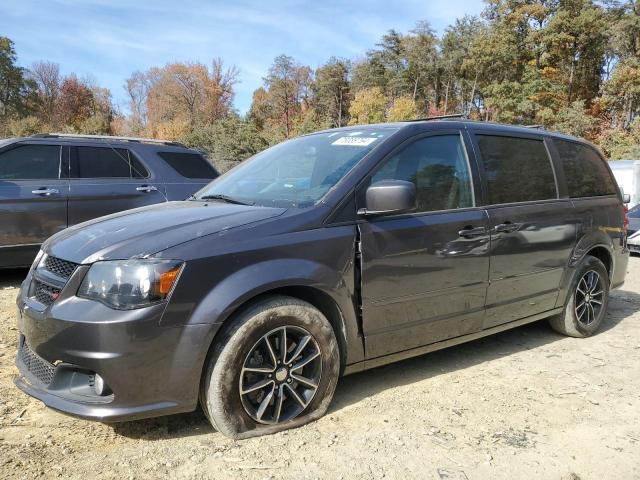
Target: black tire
[(228, 411), (578, 322)]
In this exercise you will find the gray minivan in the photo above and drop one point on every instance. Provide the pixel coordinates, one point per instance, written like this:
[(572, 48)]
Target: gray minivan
[(325, 255), (50, 182)]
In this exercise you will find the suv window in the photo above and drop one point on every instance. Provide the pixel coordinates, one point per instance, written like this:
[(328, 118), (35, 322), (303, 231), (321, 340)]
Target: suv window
[(189, 165), (438, 167), (105, 162), (26, 162), (516, 169), (585, 172)]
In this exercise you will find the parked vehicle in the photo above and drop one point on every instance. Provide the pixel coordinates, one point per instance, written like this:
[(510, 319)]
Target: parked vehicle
[(634, 220), (627, 174), (633, 242), (51, 182), (323, 256)]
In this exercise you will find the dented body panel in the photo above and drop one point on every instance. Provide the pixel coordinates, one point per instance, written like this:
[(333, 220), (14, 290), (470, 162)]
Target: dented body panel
[(391, 286)]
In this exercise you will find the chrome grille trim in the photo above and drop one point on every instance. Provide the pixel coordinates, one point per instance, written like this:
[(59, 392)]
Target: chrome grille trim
[(61, 268)]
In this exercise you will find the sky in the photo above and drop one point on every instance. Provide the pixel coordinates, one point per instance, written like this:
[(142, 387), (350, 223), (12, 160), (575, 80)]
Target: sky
[(107, 40)]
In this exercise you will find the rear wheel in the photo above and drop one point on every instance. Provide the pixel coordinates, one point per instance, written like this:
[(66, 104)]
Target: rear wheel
[(275, 368), (587, 300)]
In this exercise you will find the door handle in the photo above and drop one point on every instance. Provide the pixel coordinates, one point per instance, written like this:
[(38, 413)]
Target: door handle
[(146, 188), (507, 227), (45, 191), (470, 232)]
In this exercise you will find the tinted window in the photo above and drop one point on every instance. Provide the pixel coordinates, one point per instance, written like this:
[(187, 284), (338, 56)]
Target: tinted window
[(189, 165), (516, 169), (585, 172), (105, 162), (635, 212), (30, 162), (438, 167)]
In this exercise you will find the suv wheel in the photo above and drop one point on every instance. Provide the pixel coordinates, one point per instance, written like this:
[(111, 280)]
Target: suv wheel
[(276, 367), (587, 300)]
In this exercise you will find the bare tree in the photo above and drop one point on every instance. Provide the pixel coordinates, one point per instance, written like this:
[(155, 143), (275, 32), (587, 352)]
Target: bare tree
[(49, 83), (137, 87)]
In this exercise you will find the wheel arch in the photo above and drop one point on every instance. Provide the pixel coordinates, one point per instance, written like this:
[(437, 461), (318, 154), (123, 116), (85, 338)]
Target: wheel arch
[(596, 244), (318, 298)]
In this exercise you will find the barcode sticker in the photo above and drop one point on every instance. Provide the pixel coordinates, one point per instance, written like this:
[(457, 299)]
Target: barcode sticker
[(355, 141)]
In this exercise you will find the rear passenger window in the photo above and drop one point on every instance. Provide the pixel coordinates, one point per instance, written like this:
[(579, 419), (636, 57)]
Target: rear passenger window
[(27, 162), (584, 170), (439, 169), (105, 162), (189, 165), (516, 169)]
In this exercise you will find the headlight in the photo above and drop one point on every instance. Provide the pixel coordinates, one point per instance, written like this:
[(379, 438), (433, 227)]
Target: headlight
[(128, 284)]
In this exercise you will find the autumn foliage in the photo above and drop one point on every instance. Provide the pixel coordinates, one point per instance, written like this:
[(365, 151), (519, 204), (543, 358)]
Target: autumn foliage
[(569, 65)]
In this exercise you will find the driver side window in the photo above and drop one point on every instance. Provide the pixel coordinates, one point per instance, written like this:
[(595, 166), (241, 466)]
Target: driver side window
[(439, 169)]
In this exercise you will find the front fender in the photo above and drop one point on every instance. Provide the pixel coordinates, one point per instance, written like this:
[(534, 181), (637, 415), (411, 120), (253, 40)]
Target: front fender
[(259, 278), (241, 286)]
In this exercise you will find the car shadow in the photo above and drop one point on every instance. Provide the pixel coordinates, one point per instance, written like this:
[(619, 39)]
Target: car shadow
[(359, 386), (12, 278)]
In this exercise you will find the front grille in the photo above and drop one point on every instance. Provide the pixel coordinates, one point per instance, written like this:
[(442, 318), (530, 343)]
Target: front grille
[(36, 365), (43, 293), (59, 267)]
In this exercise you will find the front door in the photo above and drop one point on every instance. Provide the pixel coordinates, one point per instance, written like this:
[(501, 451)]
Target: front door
[(33, 200), (105, 180), (424, 274), (532, 229)]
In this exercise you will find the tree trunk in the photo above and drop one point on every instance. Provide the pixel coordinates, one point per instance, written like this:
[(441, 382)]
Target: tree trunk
[(473, 92), (446, 96)]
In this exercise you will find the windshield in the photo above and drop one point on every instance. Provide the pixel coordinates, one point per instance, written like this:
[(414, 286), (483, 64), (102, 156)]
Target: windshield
[(296, 173)]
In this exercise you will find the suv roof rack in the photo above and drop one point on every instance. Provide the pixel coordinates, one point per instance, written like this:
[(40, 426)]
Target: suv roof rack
[(105, 138), (539, 127), (440, 117)]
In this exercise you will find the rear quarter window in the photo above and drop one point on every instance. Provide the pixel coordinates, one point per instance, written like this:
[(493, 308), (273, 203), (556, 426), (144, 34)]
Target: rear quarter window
[(189, 165), (584, 170)]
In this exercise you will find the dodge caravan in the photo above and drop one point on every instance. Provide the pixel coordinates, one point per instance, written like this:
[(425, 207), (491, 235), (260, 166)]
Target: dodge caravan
[(322, 256)]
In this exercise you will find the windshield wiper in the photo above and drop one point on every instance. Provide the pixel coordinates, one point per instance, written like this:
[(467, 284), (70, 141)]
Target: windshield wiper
[(224, 198)]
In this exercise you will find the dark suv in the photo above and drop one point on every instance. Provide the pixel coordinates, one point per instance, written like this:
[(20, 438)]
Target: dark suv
[(50, 182), (325, 255)]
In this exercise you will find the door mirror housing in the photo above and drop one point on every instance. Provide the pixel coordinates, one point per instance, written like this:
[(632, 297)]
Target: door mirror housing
[(387, 197), (626, 198)]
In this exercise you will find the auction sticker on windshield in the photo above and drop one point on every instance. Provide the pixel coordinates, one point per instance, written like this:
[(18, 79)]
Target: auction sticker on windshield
[(355, 141)]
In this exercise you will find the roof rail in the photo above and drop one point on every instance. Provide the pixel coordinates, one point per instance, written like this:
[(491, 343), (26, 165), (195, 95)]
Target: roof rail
[(539, 127), (440, 117), (106, 138)]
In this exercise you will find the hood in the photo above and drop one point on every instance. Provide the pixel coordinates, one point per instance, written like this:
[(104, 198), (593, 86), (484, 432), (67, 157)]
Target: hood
[(145, 231)]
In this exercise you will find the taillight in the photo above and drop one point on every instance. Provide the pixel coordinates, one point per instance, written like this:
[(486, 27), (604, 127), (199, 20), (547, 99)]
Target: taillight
[(625, 221)]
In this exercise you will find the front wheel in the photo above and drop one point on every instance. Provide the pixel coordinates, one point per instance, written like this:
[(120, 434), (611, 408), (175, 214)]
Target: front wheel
[(587, 300), (275, 368)]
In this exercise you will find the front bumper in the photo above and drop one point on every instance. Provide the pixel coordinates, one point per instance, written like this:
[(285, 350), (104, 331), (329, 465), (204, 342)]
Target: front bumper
[(151, 370)]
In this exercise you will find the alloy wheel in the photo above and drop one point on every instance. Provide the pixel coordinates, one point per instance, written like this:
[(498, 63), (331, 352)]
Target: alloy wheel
[(280, 375), (589, 296)]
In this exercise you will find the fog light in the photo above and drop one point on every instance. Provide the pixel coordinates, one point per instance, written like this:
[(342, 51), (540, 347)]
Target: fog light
[(99, 386)]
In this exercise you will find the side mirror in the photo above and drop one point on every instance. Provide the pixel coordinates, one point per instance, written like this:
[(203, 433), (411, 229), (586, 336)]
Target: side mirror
[(389, 196), (626, 198)]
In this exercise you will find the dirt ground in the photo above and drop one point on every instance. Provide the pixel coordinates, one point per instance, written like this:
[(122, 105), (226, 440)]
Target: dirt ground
[(527, 403)]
